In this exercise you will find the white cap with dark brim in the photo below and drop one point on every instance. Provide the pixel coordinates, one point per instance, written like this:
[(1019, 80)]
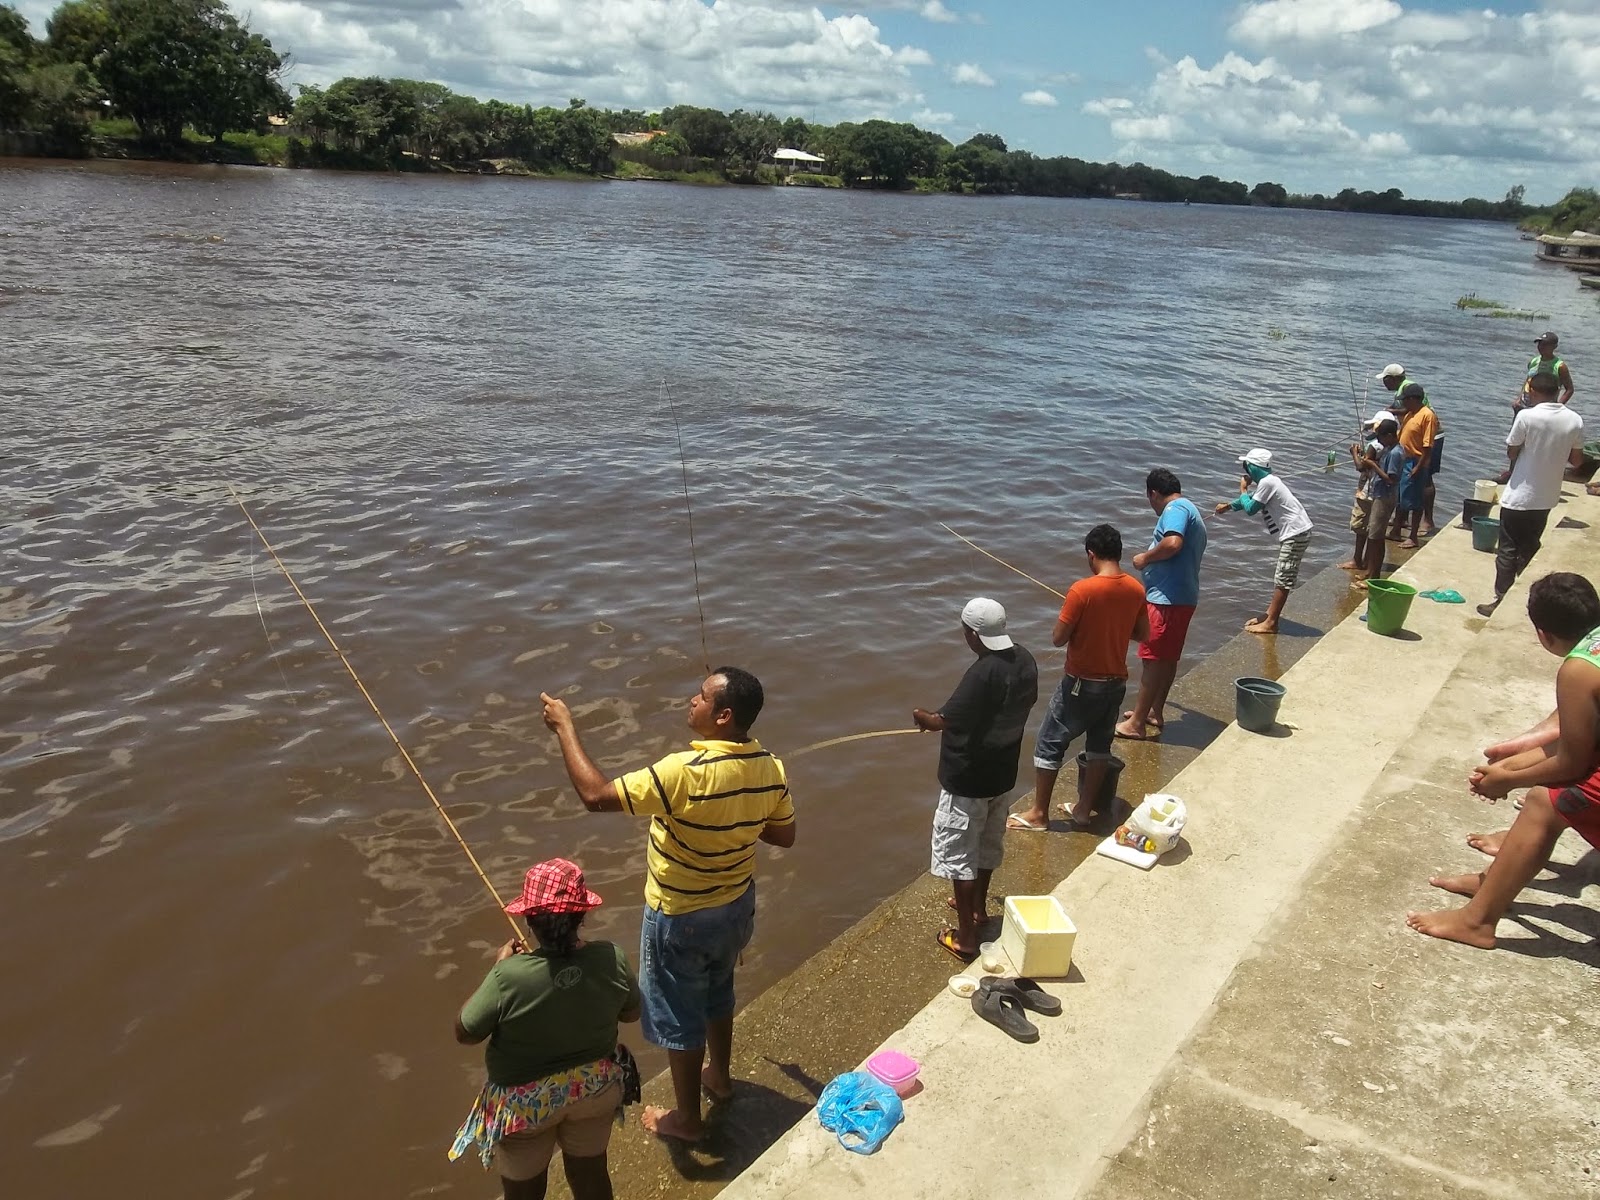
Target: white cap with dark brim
[(1392, 371), (987, 619)]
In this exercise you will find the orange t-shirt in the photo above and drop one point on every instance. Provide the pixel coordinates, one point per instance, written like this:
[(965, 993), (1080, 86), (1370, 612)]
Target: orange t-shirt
[(1102, 610), (1418, 431)]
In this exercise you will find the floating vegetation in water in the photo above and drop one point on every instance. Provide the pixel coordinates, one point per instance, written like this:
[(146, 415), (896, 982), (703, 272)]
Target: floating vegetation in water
[(1496, 308), (1276, 334)]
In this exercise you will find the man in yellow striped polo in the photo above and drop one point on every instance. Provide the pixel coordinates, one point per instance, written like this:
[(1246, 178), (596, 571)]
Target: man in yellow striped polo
[(709, 806)]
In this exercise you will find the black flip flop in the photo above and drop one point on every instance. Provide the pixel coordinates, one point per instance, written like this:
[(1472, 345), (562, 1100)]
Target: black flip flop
[(1028, 991), (1002, 1008)]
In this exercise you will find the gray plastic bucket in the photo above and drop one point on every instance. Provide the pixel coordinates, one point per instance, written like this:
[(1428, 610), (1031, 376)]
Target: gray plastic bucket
[(1255, 703)]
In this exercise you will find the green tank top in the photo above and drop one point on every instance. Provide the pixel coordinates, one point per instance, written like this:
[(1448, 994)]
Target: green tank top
[(1537, 364), (1588, 649)]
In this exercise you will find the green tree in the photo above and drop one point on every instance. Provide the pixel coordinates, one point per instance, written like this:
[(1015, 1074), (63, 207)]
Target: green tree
[(752, 138), (172, 63), (1274, 195), (79, 31), (987, 141), (706, 130)]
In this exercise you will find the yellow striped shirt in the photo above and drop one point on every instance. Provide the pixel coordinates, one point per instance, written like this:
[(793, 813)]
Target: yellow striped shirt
[(709, 805)]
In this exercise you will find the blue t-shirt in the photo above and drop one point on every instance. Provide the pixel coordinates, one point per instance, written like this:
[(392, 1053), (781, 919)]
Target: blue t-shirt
[(1176, 580), (1391, 460)]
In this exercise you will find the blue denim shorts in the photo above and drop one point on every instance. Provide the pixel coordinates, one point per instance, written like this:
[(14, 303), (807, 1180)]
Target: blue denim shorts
[(1092, 713), (686, 969)]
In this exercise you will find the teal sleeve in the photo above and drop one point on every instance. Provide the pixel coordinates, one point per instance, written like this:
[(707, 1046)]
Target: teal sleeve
[(481, 1013), (1247, 502)]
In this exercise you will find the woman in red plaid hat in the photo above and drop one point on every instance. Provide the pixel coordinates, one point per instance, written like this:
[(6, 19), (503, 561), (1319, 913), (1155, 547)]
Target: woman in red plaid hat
[(550, 1017)]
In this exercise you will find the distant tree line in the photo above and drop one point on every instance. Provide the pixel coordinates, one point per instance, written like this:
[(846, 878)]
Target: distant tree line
[(179, 68)]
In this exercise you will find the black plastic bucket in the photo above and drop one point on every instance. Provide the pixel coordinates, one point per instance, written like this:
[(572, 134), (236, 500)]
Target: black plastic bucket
[(1108, 785), (1471, 508), (1255, 703)]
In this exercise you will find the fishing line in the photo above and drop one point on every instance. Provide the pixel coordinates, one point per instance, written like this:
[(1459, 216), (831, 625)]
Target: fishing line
[(520, 934), (1003, 562), (851, 737), (694, 556)]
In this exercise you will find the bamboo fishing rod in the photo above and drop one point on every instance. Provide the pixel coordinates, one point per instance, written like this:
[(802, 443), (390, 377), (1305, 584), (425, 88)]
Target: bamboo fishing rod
[(694, 555), (849, 737), (1003, 562), (519, 934)]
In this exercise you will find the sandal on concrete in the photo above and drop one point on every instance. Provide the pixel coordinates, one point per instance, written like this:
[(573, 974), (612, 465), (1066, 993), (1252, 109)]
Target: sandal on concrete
[(1002, 1009), (1028, 991)]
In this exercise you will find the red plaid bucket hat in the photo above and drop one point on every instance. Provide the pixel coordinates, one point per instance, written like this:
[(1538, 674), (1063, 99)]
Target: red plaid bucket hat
[(555, 886)]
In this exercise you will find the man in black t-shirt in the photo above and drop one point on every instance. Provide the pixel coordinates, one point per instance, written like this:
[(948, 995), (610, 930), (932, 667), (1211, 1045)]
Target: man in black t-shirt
[(982, 726)]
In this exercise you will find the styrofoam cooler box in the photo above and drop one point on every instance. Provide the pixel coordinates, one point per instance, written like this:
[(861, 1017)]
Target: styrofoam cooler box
[(1037, 936)]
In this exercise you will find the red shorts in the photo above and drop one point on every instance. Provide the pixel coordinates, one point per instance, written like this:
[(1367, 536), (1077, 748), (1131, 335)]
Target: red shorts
[(1169, 627), (1579, 807)]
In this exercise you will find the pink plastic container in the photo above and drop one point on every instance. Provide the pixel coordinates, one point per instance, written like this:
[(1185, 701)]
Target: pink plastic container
[(895, 1069)]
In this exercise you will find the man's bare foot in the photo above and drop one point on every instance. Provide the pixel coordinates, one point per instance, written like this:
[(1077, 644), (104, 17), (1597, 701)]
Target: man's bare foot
[(1152, 720), (1429, 530), (1349, 566), (1452, 925), (1128, 730), (1461, 885), (1076, 819), (718, 1087), (1259, 625), (1409, 544), (1487, 843), (670, 1123)]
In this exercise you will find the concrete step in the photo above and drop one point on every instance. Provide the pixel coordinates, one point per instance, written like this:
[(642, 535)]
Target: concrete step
[(1156, 951)]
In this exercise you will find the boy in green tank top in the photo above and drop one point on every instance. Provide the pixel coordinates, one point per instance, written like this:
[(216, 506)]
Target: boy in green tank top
[(1556, 761)]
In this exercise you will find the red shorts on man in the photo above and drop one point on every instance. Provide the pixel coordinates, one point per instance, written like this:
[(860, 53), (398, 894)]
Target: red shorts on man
[(1169, 627)]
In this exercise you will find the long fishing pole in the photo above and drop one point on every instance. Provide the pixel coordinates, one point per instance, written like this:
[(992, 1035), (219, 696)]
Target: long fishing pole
[(1003, 562), (519, 934), (849, 737), (694, 555)]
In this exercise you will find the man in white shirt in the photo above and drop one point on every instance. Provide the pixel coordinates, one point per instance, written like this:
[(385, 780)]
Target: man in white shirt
[(1544, 440), (1287, 521)]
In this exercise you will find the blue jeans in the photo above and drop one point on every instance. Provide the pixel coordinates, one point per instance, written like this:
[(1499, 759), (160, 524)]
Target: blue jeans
[(1080, 707), (686, 969)]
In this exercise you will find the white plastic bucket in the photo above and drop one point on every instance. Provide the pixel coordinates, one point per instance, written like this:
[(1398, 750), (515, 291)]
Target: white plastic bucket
[(1485, 489)]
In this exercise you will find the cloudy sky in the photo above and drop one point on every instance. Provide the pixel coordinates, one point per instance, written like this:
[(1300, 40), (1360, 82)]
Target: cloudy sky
[(1440, 98)]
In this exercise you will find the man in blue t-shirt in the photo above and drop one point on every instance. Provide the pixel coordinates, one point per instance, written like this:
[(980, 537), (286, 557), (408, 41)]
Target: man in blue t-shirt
[(1171, 569)]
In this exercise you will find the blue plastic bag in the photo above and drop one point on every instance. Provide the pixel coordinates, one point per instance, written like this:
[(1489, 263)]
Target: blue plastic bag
[(861, 1109)]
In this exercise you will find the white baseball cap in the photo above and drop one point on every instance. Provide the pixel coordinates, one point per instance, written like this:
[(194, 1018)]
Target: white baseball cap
[(1390, 372), (1379, 420), (987, 619), (1257, 458)]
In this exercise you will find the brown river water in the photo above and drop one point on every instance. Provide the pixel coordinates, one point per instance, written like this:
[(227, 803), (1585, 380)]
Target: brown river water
[(236, 933)]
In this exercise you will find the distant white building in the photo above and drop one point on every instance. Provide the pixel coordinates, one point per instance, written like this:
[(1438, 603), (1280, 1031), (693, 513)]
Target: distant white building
[(792, 160)]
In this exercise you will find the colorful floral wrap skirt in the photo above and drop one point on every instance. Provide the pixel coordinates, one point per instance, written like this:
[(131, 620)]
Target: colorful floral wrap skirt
[(500, 1110)]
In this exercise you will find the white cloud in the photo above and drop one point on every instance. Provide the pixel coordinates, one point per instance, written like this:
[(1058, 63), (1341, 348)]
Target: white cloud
[(1373, 93), (971, 73), (1311, 20), (785, 55), (929, 119), (933, 10), (1039, 98)]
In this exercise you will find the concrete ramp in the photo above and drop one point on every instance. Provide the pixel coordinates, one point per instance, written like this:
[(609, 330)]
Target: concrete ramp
[(1252, 1018)]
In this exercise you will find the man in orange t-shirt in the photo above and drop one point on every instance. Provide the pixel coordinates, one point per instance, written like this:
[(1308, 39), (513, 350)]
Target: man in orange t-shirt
[(1100, 617)]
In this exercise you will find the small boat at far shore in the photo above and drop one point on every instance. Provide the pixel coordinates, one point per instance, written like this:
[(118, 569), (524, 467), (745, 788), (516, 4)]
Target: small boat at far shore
[(1576, 251)]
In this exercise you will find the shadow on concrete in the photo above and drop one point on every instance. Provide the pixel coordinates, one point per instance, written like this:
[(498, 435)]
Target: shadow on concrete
[(1402, 635), (1545, 944), (1278, 730), (1193, 728), (1569, 523), (796, 1074), (1181, 853), (739, 1132)]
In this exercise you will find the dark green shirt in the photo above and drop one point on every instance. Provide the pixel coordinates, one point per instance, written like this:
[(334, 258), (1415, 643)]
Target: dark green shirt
[(544, 1014)]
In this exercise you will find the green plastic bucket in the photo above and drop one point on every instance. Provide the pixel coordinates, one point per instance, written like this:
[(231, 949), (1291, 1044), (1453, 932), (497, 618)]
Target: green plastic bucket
[(1388, 603), (1255, 703), (1485, 534)]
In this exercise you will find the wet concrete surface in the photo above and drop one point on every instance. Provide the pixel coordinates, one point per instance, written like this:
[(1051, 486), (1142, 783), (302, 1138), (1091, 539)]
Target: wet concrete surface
[(826, 1017)]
